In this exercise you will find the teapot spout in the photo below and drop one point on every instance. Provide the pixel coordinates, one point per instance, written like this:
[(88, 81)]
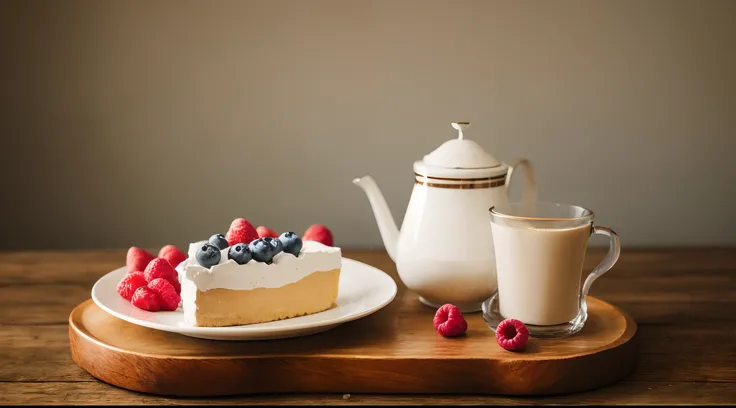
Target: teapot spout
[(386, 224)]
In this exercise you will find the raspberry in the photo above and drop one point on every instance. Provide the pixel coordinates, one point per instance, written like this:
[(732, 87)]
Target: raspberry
[(172, 254), (146, 299), (449, 321), (241, 232), (266, 232), (319, 233), (161, 268), (512, 334), (137, 259), (130, 283), (169, 299)]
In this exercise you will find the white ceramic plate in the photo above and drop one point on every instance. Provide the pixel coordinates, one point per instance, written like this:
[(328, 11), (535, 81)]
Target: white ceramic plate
[(363, 290)]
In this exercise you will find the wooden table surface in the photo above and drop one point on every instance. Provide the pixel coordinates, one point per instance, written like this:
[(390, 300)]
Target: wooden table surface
[(684, 300)]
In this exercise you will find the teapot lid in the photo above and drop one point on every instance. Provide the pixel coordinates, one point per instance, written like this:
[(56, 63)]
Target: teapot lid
[(459, 157)]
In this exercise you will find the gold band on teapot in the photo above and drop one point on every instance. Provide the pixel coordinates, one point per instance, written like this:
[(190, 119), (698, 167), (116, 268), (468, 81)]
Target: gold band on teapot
[(457, 183)]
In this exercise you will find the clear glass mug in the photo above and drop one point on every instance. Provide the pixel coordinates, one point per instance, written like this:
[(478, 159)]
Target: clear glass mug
[(540, 250)]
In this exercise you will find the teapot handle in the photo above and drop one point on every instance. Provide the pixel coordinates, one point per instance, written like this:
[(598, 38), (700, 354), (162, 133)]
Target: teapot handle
[(529, 194)]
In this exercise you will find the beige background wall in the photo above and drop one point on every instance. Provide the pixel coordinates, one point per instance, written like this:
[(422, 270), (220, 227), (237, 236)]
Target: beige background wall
[(146, 123)]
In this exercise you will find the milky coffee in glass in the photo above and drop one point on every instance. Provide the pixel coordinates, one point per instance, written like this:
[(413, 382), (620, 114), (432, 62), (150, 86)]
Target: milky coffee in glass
[(540, 250)]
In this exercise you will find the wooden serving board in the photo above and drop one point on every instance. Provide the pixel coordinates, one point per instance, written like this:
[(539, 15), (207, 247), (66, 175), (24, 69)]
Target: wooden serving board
[(395, 350)]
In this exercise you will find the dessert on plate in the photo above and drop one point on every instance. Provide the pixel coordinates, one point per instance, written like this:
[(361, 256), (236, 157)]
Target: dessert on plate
[(244, 277)]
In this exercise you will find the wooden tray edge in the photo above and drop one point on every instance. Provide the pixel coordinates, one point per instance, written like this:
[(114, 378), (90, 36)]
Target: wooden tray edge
[(275, 374)]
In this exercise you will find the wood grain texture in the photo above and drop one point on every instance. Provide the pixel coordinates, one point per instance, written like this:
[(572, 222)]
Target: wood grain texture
[(621, 393), (680, 297), (667, 353), (395, 350)]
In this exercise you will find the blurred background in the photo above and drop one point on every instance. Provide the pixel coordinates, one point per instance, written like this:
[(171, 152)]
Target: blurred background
[(157, 122)]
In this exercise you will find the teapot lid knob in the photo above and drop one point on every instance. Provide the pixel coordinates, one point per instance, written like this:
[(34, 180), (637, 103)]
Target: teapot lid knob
[(460, 153), (459, 126)]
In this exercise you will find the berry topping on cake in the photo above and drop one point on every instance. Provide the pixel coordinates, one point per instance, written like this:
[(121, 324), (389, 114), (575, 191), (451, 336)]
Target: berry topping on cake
[(168, 298), (319, 233), (275, 243), (172, 254), (129, 284), (291, 242), (161, 268), (137, 259), (241, 232), (146, 299), (512, 335), (262, 250), (208, 255), (266, 232), (219, 241), (239, 253), (449, 321)]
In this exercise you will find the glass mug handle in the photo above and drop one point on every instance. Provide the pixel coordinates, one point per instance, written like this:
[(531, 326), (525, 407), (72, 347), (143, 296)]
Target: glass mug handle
[(614, 250), (529, 194)]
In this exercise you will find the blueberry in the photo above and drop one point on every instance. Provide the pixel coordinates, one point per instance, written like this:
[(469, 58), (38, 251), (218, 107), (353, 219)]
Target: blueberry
[(208, 255), (262, 250), (239, 253), (291, 242), (277, 245), (219, 241), (269, 241)]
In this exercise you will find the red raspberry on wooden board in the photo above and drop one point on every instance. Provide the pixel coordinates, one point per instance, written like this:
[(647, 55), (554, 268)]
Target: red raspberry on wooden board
[(512, 335), (449, 321)]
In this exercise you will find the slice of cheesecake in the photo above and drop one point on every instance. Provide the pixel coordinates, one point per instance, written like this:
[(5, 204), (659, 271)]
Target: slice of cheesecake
[(229, 294)]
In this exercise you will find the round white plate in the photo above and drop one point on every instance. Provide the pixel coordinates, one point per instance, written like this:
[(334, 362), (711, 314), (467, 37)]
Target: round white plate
[(363, 290)]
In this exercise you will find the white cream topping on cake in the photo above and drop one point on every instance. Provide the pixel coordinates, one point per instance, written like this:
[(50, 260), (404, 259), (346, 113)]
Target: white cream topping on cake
[(285, 269)]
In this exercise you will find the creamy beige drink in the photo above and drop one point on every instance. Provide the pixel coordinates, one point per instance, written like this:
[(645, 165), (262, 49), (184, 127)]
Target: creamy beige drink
[(539, 272)]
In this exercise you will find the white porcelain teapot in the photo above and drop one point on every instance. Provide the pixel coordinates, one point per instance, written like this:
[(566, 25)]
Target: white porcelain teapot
[(444, 251)]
